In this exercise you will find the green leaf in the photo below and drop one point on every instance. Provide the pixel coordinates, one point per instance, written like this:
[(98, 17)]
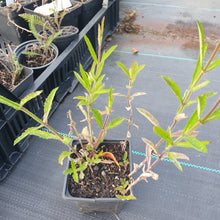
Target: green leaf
[(201, 105), (106, 54), (174, 160), (126, 71), (85, 78), (191, 122), (130, 197), (62, 156), (149, 116), (214, 65), (188, 145), (9, 103), (98, 117), (215, 115), (89, 148), (96, 161), (80, 80), (110, 100), (163, 134), (67, 171), (27, 132), (48, 104), (201, 85), (201, 42), (196, 144), (175, 88), (114, 123), (29, 97), (66, 140), (83, 166), (125, 156), (91, 49), (75, 177), (196, 71)]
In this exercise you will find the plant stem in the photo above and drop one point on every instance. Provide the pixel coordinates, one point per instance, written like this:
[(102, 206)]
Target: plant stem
[(101, 132), (26, 111), (131, 113), (211, 110)]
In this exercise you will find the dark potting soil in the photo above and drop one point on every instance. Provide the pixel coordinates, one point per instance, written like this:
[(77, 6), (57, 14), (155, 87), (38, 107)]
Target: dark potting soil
[(105, 177), (6, 78)]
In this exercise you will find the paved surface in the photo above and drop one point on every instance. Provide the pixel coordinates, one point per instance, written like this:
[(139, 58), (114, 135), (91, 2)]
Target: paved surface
[(168, 45)]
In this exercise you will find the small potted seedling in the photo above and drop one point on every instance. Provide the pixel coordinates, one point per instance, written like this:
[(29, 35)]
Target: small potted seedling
[(13, 76)]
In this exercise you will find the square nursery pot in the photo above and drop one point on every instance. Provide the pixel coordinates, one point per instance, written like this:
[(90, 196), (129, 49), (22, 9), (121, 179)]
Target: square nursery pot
[(36, 70), (70, 18), (86, 205), (89, 9), (8, 30)]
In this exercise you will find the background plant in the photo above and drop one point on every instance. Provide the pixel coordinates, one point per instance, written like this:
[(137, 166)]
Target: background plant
[(10, 64)]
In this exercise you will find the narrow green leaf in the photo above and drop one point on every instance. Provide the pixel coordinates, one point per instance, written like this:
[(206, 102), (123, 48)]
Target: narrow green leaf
[(85, 78), (191, 122), (83, 166), (214, 65), (126, 71), (188, 145), (80, 80), (29, 97), (175, 88), (9, 103), (98, 117), (67, 172), (149, 116), (66, 140), (110, 100), (91, 49), (62, 156), (196, 144), (201, 42), (80, 97), (210, 94), (27, 132), (75, 177), (114, 123), (197, 71), (174, 160), (48, 104), (201, 105), (201, 85), (163, 134), (106, 54), (130, 197), (215, 115)]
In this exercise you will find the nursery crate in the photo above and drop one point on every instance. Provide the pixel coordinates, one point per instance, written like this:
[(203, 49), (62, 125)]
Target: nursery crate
[(60, 74)]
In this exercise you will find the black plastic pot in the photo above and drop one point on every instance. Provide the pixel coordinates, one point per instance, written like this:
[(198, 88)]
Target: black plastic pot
[(89, 9), (70, 18), (9, 31), (107, 205), (36, 70), (63, 41)]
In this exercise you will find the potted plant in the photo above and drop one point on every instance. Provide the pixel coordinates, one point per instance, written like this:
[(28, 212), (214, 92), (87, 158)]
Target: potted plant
[(13, 76), (9, 14), (91, 159), (72, 12), (37, 54), (52, 26)]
